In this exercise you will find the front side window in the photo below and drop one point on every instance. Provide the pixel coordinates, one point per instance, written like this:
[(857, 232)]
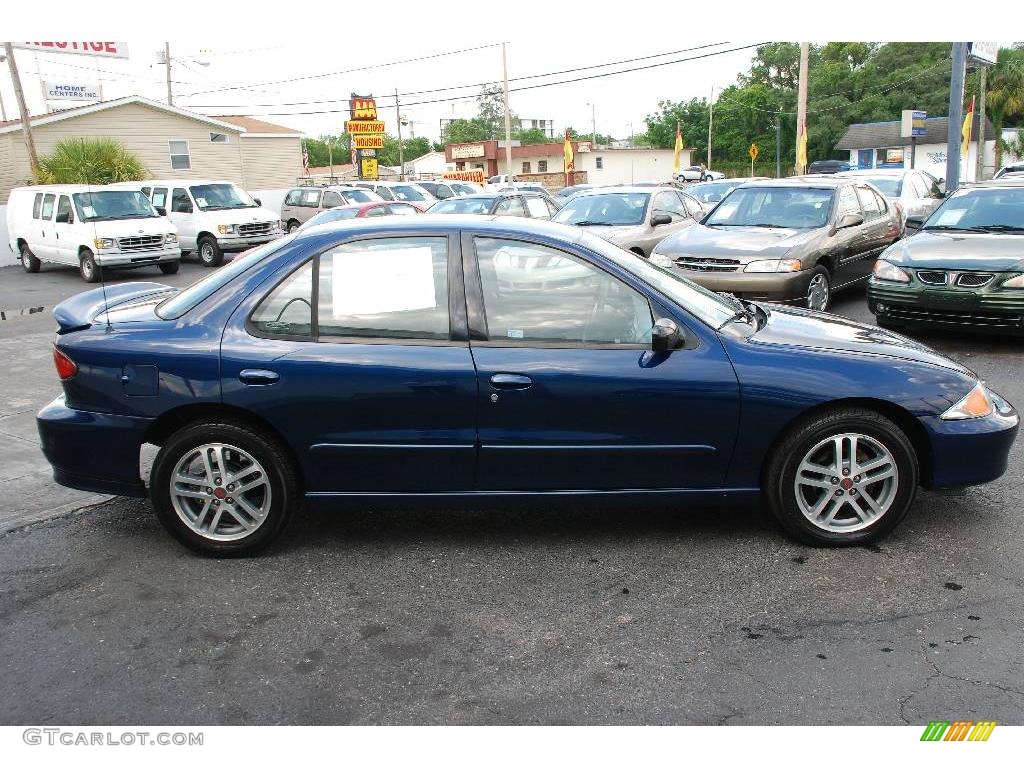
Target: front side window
[(394, 288), (538, 208), (288, 309), (294, 197), (848, 205), (533, 293), (159, 199), (869, 203), (510, 206), (64, 210), (180, 159), (180, 201), (332, 199), (112, 205), (669, 202)]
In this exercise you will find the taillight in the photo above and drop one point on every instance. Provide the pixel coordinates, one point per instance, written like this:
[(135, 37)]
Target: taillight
[(66, 367)]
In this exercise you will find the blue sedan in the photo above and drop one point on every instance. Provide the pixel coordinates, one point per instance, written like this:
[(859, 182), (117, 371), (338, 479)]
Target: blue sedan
[(459, 358)]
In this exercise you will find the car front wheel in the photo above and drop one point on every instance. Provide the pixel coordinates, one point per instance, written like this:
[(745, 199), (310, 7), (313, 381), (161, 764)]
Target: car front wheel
[(819, 290), (88, 267), (222, 489), (210, 254), (843, 477)]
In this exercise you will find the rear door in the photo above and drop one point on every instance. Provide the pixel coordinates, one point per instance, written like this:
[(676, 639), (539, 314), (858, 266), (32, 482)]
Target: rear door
[(848, 243), (47, 242)]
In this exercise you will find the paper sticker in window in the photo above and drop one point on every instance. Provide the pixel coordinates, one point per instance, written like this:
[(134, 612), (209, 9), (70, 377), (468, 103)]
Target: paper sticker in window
[(201, 202), (950, 217), (380, 281)]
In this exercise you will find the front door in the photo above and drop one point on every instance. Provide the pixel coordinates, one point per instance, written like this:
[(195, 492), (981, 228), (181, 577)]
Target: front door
[(63, 232), (181, 216), (359, 357), (570, 395)]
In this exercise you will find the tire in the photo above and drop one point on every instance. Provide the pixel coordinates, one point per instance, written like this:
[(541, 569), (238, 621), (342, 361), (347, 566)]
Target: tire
[(210, 254), (28, 259), (889, 325), (87, 266), (292, 226), (820, 280), (170, 268), (811, 440), (221, 513)]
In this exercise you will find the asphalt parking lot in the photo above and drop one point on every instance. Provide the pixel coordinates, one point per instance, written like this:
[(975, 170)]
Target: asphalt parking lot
[(539, 614)]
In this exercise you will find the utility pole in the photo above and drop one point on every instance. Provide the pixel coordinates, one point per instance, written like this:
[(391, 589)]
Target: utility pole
[(401, 150), (801, 103), (167, 63), (330, 159), (593, 123), (980, 174), (508, 116), (26, 125), (956, 116), (711, 120)]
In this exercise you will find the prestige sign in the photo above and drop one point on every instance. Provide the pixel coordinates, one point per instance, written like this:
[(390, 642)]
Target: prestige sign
[(464, 151), (107, 50), (63, 91)]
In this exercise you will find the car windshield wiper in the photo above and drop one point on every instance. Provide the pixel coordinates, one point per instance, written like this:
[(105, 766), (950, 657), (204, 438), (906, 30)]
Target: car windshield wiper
[(741, 313), (768, 226), (586, 223), (998, 228), (950, 228)]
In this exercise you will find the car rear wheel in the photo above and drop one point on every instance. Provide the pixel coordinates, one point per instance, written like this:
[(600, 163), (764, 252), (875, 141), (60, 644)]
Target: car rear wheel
[(293, 226), (842, 477), (222, 489), (210, 254), (819, 290), (28, 260), (88, 267)]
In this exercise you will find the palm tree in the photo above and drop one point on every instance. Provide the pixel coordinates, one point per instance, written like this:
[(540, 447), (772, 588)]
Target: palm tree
[(89, 161), (1005, 97)]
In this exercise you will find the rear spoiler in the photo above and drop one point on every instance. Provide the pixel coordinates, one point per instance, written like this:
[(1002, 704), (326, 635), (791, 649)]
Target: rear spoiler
[(80, 311)]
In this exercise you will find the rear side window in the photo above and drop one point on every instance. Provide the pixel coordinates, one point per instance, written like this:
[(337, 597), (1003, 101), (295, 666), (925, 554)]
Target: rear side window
[(64, 209), (37, 204), (47, 213)]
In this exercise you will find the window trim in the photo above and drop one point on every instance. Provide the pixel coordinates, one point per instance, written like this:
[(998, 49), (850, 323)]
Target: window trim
[(542, 163), (224, 140), (457, 329), (171, 155)]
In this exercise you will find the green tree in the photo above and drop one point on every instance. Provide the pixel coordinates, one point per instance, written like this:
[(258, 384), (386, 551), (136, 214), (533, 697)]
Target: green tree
[(460, 131), (1005, 98), (322, 150), (89, 161)]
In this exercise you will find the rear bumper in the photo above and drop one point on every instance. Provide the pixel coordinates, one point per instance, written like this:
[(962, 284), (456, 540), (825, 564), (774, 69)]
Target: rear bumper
[(89, 451), (992, 311), (970, 451), (779, 287)]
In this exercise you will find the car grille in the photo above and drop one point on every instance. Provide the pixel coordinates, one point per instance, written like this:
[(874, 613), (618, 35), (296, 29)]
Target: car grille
[(708, 265), (140, 243), (973, 279), (943, 317), (931, 278), (261, 228)]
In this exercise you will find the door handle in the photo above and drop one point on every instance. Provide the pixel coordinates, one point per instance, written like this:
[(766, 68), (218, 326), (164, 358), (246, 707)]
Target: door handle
[(257, 377), (511, 381)]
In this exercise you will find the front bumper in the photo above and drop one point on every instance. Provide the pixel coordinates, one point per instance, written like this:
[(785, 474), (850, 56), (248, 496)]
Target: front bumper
[(234, 243), (778, 287), (113, 257), (970, 451), (96, 452), (987, 309)]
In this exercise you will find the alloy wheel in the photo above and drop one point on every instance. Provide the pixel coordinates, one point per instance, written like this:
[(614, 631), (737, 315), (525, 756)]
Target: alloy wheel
[(817, 293), (220, 492), (846, 482)]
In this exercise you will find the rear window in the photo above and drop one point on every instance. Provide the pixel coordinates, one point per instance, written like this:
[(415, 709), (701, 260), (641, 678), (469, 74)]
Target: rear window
[(181, 302)]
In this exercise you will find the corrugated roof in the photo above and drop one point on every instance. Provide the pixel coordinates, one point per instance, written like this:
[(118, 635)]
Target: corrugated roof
[(887, 134)]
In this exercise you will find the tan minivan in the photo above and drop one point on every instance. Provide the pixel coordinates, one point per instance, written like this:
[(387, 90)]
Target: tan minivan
[(302, 203)]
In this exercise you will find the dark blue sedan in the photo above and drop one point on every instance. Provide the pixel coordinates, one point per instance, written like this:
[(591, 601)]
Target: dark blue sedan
[(458, 357)]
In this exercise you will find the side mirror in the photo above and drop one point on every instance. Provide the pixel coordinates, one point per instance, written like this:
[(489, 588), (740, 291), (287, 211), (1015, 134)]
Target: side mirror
[(257, 201), (161, 210), (666, 336), (850, 220), (660, 218), (914, 222)]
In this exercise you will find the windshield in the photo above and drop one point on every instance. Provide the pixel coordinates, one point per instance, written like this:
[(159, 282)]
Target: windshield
[(107, 206), (789, 207), (408, 192), (181, 302), (980, 210), (219, 197), (333, 214), (614, 209), (712, 191), (464, 205), (705, 305), (890, 186), (359, 196)]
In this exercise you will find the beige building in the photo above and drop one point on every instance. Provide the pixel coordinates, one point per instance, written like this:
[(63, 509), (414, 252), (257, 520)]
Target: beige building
[(171, 142)]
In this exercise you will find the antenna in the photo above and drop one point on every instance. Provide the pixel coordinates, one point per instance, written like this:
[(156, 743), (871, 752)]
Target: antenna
[(96, 264)]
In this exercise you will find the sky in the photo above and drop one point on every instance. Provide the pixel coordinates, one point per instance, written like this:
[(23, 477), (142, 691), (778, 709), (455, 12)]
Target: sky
[(236, 78)]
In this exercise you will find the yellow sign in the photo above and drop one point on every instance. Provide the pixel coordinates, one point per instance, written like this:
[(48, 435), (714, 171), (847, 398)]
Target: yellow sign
[(752, 152), (368, 141), (369, 168), (363, 109), (364, 126), (475, 175)]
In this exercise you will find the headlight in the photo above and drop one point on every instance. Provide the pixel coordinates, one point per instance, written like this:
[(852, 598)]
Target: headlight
[(974, 405), (280, 225), (225, 229), (774, 265), (103, 242), (661, 260), (1015, 282), (170, 239), (885, 270)]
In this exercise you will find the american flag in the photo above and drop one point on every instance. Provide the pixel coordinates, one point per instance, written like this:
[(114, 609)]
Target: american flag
[(305, 160)]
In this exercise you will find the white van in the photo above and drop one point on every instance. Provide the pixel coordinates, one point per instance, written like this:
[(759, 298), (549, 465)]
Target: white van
[(212, 217), (89, 226)]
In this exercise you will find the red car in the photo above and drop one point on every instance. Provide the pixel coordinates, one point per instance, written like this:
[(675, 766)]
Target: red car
[(362, 210)]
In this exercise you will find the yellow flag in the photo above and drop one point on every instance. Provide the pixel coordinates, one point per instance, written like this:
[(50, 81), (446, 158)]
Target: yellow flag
[(567, 149), (801, 148), (677, 151), (965, 131)]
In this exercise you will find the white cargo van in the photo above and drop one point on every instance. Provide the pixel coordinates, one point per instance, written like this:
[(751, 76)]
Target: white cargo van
[(89, 226), (212, 217)]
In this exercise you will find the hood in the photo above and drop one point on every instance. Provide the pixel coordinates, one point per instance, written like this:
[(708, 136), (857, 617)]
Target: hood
[(241, 216), (618, 234), (743, 243), (793, 327), (128, 227), (124, 302), (959, 250)]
